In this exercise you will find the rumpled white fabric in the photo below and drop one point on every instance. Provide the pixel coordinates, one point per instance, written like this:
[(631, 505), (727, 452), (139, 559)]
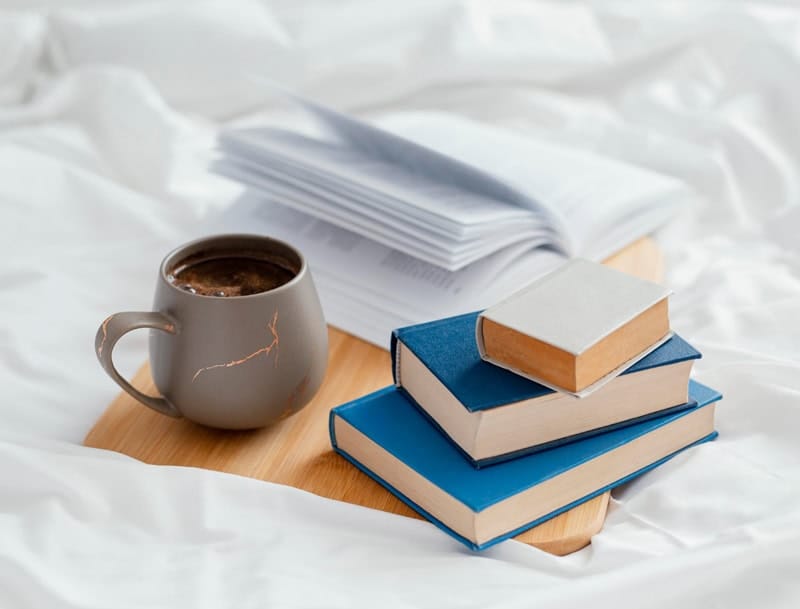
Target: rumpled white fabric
[(107, 122)]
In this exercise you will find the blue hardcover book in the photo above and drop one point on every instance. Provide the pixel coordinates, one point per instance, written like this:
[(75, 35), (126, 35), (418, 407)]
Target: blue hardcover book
[(492, 414), (385, 436)]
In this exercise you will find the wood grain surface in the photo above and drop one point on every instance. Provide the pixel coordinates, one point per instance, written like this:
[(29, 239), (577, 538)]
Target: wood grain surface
[(297, 451)]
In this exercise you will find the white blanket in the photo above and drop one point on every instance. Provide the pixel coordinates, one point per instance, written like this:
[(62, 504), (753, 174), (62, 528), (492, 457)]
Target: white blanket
[(106, 125)]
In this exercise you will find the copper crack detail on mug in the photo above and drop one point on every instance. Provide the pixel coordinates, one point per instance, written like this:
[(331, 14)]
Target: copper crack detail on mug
[(105, 336), (272, 326)]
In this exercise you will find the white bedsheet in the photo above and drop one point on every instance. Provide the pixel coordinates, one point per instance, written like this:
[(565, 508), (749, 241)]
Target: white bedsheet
[(107, 120)]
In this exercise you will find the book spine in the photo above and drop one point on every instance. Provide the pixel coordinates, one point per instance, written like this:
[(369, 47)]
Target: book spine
[(332, 428), (479, 336), (395, 354)]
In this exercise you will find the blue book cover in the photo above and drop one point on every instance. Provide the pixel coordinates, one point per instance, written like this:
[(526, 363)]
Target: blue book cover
[(385, 436), (449, 350), (493, 415)]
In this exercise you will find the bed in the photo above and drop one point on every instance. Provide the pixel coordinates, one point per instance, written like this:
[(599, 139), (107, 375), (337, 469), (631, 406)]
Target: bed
[(108, 114)]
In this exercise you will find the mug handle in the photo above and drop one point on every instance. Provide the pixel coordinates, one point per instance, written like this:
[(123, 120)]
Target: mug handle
[(114, 328)]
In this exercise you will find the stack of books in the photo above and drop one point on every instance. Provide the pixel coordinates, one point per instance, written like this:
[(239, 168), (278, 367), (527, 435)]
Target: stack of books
[(502, 419)]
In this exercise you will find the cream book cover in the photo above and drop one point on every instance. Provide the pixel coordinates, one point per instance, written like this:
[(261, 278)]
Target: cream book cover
[(575, 328)]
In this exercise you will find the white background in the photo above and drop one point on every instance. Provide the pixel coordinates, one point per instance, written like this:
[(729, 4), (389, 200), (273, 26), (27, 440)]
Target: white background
[(108, 112)]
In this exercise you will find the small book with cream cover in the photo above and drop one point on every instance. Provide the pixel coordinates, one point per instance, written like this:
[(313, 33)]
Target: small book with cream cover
[(576, 328)]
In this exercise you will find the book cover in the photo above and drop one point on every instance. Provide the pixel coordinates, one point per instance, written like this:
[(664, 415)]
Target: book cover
[(385, 436), (576, 328), (448, 349)]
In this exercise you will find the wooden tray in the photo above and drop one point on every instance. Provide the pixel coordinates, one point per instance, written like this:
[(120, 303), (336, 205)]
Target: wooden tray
[(297, 451)]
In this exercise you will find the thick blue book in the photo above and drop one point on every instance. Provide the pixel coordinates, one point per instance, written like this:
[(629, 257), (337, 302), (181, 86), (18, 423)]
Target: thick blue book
[(493, 415), (385, 436)]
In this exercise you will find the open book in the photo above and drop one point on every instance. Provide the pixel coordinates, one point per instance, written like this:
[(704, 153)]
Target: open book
[(448, 190), (425, 215)]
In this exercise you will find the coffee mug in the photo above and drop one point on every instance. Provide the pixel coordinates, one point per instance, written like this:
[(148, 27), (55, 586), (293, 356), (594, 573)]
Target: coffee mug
[(228, 361)]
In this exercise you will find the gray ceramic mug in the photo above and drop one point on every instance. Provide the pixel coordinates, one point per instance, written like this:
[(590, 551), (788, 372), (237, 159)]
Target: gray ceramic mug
[(230, 362)]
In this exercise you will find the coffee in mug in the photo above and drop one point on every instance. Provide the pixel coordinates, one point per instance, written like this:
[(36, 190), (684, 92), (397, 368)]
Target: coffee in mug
[(237, 338), (225, 274)]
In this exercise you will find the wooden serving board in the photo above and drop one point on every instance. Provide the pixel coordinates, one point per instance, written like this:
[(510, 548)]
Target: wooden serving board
[(297, 450)]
